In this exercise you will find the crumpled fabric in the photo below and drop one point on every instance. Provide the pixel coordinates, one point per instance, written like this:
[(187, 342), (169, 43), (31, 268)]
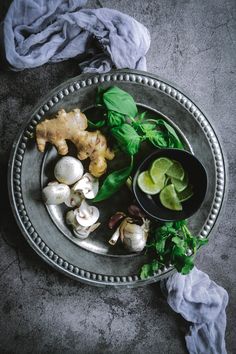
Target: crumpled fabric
[(43, 31), (202, 302)]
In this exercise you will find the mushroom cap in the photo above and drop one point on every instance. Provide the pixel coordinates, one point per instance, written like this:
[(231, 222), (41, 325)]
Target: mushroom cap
[(86, 215), (55, 194), (68, 170), (88, 185)]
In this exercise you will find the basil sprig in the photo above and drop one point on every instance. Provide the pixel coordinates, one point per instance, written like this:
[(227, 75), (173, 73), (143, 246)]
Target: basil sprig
[(129, 129)]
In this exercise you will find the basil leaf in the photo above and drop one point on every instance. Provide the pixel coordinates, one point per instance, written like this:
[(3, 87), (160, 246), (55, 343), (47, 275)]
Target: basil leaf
[(158, 139), (96, 125), (127, 138), (115, 119), (113, 182), (147, 127), (174, 139), (119, 101)]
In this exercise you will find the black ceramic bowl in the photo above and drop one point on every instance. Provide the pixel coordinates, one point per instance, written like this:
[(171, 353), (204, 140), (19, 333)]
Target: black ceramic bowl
[(197, 177)]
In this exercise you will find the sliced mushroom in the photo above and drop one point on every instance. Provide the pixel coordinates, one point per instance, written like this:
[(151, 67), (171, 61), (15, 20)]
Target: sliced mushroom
[(86, 215), (79, 231), (88, 185), (68, 170), (55, 193), (75, 198)]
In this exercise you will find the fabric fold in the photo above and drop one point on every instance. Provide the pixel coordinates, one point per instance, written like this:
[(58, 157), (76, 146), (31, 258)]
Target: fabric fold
[(38, 32), (202, 303)]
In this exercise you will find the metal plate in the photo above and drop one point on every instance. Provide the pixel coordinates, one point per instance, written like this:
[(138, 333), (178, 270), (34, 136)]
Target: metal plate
[(92, 261)]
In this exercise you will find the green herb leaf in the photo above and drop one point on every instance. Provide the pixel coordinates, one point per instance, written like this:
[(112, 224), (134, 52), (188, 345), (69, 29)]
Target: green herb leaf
[(201, 241), (147, 127), (115, 119), (160, 246), (113, 182), (179, 224), (187, 265), (96, 125), (178, 241), (127, 138), (174, 139), (119, 101), (148, 269)]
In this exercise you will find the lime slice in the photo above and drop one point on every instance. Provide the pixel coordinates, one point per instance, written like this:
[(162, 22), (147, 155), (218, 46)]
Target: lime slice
[(169, 198), (185, 194), (178, 184), (146, 184), (176, 170), (159, 168)]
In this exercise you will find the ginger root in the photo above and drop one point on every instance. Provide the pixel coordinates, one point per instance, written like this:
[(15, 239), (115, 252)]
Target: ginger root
[(72, 126)]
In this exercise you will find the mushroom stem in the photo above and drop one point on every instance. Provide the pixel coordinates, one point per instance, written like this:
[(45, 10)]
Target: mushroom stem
[(84, 210), (115, 237)]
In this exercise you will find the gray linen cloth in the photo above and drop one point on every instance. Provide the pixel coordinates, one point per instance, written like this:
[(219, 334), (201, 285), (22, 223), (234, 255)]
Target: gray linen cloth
[(202, 302), (41, 31)]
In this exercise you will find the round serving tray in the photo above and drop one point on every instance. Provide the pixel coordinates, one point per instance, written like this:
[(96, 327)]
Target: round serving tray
[(92, 261)]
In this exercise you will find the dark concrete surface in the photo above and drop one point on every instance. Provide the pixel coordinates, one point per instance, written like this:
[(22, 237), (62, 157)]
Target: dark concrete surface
[(42, 311)]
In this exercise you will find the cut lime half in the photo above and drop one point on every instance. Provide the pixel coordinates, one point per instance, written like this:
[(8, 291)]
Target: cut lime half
[(185, 194), (146, 184), (159, 168), (176, 170), (169, 198)]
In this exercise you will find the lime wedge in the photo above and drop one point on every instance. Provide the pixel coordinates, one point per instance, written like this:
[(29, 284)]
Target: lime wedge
[(169, 198), (176, 170), (185, 194), (146, 184), (159, 168), (178, 184)]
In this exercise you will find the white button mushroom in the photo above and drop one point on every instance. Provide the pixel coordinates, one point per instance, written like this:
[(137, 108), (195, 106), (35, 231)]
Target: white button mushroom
[(55, 193), (68, 170), (86, 215), (87, 185)]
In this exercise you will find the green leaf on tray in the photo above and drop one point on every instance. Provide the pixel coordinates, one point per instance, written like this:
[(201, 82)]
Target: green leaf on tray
[(96, 125), (127, 138), (119, 101), (115, 119), (149, 269), (174, 140), (113, 182)]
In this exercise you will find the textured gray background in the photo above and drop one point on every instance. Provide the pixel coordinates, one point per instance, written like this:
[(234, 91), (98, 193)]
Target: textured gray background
[(41, 311)]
